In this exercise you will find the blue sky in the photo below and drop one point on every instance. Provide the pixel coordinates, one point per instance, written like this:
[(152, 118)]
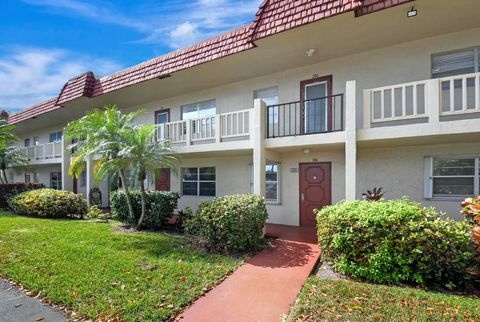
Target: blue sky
[(43, 43)]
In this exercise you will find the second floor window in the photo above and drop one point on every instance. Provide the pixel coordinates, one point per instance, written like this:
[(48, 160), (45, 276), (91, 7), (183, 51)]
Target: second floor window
[(27, 143), (458, 62), (270, 97), (199, 110), (55, 137)]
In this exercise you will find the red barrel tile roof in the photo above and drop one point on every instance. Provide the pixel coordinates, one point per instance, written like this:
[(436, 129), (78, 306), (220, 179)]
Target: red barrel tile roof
[(273, 16)]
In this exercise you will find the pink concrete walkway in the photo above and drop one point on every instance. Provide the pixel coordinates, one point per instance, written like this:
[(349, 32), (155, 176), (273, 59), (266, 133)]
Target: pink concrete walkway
[(266, 286)]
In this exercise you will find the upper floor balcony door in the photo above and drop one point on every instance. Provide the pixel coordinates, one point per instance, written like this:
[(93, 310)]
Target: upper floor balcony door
[(316, 95)]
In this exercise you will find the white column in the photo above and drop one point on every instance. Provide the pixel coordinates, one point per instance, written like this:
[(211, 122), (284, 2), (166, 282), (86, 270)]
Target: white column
[(258, 140), (367, 108), (350, 140), (90, 177), (218, 128), (188, 132), (433, 100), (67, 180)]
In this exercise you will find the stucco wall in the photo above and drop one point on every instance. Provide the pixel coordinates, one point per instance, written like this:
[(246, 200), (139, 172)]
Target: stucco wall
[(232, 177), (43, 173), (400, 63), (400, 171)]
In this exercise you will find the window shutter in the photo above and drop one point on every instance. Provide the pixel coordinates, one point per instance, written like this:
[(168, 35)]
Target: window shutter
[(428, 182), (454, 63)]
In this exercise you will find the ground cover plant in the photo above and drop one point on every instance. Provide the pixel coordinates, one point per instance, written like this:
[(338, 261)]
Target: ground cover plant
[(325, 300), (100, 272)]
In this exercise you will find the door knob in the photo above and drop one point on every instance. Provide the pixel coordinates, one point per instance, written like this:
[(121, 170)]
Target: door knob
[(301, 197)]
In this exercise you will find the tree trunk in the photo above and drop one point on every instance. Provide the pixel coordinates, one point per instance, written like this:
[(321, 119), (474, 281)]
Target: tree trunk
[(1, 178), (127, 193), (144, 204), (4, 179)]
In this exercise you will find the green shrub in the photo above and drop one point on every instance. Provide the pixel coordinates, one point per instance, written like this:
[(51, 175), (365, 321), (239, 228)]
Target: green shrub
[(49, 203), (11, 189), (94, 212), (160, 206), (395, 241), (230, 224)]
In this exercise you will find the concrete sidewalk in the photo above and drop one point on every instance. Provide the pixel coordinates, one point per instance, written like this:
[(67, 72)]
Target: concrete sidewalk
[(18, 307), (266, 286)]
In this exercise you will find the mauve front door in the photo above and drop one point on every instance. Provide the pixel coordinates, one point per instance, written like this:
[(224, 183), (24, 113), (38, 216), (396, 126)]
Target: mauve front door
[(315, 190)]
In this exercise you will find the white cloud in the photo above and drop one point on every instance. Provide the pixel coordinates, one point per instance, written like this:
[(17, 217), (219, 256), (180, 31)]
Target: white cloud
[(31, 75), (174, 23)]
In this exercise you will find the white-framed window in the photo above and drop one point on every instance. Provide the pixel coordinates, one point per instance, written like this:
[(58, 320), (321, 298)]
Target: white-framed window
[(56, 180), (35, 177), (272, 182), (27, 178), (199, 110), (270, 97), (26, 142), (452, 176), (55, 137), (199, 181), (12, 177), (457, 62), (36, 141)]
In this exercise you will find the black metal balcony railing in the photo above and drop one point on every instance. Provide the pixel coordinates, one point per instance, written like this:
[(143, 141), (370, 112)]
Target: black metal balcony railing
[(305, 117)]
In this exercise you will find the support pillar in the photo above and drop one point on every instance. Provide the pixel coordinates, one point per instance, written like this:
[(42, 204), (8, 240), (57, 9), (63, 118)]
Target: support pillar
[(90, 177), (258, 141), (67, 180), (351, 140)]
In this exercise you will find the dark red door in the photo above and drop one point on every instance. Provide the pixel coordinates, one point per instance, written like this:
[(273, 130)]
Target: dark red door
[(315, 190), (162, 179)]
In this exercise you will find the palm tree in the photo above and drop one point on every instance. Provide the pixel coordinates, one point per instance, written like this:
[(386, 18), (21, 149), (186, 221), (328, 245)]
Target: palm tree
[(144, 153), (102, 133), (6, 132), (9, 155)]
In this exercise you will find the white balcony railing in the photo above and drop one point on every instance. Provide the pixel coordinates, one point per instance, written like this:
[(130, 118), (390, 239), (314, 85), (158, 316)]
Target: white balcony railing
[(231, 125), (430, 99), (41, 152), (460, 94)]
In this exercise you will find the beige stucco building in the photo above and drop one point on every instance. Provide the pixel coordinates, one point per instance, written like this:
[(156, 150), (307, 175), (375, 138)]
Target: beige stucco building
[(308, 110)]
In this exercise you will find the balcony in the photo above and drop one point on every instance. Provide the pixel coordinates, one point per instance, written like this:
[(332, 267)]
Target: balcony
[(430, 100), (43, 153), (315, 116), (226, 127)]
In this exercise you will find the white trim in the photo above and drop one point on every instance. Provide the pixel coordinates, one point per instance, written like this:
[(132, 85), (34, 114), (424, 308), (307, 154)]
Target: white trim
[(198, 181), (278, 182), (428, 181)]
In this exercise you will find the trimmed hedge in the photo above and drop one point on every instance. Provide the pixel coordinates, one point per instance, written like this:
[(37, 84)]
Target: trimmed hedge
[(395, 241), (49, 203), (11, 189), (232, 223), (160, 206)]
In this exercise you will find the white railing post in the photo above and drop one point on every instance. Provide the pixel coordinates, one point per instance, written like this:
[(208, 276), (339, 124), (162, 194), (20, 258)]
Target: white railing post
[(433, 100), (218, 128), (350, 140), (188, 132), (367, 108)]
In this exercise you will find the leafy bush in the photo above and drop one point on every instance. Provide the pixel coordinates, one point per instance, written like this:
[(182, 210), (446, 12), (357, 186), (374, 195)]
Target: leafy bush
[(49, 203), (160, 206), (471, 210), (232, 223), (395, 241), (94, 212), (11, 189)]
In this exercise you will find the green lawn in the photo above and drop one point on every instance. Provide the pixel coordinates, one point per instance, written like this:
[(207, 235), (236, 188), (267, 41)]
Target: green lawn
[(322, 300), (97, 271)]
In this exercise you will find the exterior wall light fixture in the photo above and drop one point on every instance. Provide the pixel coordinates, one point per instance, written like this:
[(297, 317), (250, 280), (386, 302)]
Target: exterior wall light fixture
[(412, 12)]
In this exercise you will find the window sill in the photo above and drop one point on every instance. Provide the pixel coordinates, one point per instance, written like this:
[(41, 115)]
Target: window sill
[(273, 203), (456, 198)]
